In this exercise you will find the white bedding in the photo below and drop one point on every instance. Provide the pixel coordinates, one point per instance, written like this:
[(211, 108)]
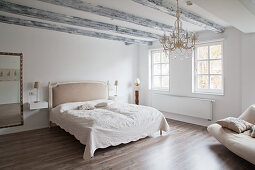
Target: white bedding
[(109, 126)]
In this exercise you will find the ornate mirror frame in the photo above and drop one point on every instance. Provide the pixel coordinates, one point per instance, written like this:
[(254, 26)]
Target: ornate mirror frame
[(21, 87)]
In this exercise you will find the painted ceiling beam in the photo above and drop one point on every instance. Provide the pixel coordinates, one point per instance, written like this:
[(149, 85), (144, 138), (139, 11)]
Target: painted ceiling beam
[(61, 18), (185, 15), (110, 13), (71, 30)]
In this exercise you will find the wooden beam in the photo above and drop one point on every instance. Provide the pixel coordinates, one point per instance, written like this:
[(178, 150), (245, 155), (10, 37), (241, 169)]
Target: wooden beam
[(56, 17), (71, 30), (185, 15), (110, 13)]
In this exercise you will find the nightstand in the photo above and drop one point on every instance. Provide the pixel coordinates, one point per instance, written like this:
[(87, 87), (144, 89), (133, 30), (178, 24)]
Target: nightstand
[(113, 98), (39, 105)]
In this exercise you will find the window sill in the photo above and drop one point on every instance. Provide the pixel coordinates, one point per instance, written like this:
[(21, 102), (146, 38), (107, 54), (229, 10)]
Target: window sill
[(209, 93), (160, 91)]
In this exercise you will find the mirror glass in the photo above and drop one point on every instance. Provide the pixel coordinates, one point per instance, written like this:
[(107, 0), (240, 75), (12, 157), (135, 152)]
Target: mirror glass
[(11, 107)]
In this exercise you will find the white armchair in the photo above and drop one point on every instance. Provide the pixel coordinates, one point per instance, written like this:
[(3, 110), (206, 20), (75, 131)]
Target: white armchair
[(241, 144), (249, 114)]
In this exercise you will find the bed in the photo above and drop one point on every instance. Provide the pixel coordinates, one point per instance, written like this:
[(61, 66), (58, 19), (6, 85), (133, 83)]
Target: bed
[(111, 125)]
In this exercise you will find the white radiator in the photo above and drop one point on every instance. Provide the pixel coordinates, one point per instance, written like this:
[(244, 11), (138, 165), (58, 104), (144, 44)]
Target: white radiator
[(195, 107)]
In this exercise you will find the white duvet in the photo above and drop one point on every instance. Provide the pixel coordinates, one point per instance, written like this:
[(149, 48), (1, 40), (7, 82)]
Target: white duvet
[(109, 126)]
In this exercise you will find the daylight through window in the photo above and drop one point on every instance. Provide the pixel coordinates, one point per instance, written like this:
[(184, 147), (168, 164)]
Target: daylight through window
[(159, 70), (208, 68)]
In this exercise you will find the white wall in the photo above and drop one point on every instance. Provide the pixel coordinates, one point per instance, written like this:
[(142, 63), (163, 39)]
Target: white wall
[(248, 70), (54, 56), (181, 77)]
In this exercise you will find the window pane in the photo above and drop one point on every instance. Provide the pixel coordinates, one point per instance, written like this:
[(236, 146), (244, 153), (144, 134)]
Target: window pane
[(165, 69), (156, 82), (156, 57), (216, 82), (215, 52), (164, 59), (165, 81), (202, 53), (215, 67), (203, 82), (156, 69), (202, 67)]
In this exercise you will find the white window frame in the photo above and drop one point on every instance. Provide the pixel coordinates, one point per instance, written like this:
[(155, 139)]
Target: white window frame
[(195, 88), (151, 71)]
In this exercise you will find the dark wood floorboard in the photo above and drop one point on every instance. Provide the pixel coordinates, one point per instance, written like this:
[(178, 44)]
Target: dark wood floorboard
[(187, 146)]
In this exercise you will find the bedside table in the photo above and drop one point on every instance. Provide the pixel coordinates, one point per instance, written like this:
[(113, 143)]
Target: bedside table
[(39, 105), (113, 98)]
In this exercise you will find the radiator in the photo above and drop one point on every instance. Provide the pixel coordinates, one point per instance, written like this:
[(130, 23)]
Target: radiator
[(189, 106)]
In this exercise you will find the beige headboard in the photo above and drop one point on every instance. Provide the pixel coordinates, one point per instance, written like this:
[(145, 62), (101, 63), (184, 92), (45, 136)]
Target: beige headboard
[(65, 92)]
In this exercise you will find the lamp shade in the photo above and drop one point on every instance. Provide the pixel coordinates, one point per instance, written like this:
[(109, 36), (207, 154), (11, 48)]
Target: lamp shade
[(37, 85), (116, 83), (137, 82)]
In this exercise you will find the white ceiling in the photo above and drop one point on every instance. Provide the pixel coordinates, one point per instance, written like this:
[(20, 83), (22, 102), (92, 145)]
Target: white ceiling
[(132, 7), (127, 6), (250, 5), (237, 13), (195, 9), (223, 12)]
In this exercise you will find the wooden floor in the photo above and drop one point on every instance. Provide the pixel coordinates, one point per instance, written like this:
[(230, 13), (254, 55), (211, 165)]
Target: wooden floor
[(186, 147)]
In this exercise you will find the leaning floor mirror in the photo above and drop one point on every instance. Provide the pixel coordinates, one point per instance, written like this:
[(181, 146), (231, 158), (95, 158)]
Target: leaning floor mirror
[(11, 89)]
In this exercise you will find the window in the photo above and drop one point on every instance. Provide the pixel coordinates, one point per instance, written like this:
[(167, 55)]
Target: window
[(159, 70), (208, 68)]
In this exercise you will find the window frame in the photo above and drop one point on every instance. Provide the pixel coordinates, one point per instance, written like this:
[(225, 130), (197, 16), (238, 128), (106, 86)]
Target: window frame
[(151, 69), (195, 74)]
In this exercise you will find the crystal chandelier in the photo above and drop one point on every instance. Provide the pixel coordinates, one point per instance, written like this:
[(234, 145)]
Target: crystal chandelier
[(178, 39)]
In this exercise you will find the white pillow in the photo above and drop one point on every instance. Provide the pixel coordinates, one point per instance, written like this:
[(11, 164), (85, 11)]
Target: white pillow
[(86, 106), (235, 124), (253, 131), (101, 104)]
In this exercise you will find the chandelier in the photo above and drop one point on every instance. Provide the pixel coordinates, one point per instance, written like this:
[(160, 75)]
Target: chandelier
[(178, 39)]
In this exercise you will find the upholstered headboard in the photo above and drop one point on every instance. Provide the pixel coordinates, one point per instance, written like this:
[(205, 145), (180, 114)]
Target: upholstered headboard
[(65, 92)]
